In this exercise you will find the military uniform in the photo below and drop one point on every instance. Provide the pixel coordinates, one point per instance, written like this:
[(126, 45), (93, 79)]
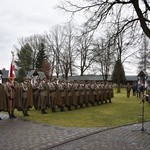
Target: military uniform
[(95, 94), (73, 92), (3, 104), (30, 93), (82, 95), (1, 95), (111, 93), (102, 93), (99, 92), (52, 96), (18, 99), (128, 89), (77, 94), (36, 94), (69, 95), (24, 87), (62, 95), (87, 94), (43, 96), (10, 95), (92, 98)]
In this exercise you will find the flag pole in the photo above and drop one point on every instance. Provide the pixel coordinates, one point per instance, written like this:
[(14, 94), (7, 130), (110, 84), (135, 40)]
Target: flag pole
[(11, 81)]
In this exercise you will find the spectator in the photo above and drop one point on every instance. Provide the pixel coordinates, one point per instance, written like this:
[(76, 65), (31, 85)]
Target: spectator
[(142, 89), (148, 93), (138, 90), (128, 88), (134, 89)]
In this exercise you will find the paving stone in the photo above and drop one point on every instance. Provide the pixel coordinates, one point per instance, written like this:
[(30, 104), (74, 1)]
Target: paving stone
[(19, 134)]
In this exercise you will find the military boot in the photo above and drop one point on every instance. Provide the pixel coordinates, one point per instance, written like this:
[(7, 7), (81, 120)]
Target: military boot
[(53, 110), (76, 107), (43, 111), (87, 105), (69, 108), (62, 108)]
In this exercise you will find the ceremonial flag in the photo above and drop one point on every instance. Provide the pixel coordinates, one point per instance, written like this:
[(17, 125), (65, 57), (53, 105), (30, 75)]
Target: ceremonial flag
[(12, 68), (11, 80)]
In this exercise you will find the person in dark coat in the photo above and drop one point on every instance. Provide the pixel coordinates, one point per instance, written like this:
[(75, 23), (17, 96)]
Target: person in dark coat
[(148, 93), (142, 90), (128, 89), (134, 89), (138, 90)]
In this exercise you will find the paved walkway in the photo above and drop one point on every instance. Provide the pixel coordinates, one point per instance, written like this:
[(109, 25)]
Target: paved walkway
[(19, 134)]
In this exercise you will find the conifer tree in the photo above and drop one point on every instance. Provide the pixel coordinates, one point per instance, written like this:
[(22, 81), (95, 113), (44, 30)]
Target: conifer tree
[(41, 56), (24, 60), (118, 75)]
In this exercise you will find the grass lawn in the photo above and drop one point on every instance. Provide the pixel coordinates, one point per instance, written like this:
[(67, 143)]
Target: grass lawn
[(121, 111)]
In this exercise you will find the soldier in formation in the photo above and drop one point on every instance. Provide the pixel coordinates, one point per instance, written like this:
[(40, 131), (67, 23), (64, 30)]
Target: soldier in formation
[(3, 104), (10, 91), (36, 92), (24, 97), (45, 94)]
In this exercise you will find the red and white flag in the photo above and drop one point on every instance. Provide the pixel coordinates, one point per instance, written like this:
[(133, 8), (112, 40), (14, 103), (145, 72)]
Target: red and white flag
[(12, 68), (12, 71)]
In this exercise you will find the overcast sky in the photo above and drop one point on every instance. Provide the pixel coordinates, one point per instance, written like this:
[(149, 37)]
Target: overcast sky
[(22, 18)]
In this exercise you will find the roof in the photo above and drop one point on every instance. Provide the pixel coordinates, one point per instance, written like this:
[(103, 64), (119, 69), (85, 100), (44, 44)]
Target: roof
[(40, 73), (100, 78), (89, 77), (142, 74), (131, 78), (5, 73)]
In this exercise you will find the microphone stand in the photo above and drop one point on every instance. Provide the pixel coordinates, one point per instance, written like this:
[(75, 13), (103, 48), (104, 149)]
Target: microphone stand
[(142, 128), (143, 101)]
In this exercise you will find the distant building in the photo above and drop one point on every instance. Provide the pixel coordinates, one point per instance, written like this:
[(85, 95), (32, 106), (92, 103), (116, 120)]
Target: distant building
[(5, 74), (129, 78), (32, 73), (143, 78)]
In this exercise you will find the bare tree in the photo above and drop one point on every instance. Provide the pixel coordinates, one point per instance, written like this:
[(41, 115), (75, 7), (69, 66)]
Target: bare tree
[(69, 52), (61, 43), (51, 53), (84, 52), (104, 55), (55, 40), (46, 68), (144, 55), (97, 12)]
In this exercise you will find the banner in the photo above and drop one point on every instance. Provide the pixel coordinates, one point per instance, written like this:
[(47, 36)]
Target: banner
[(12, 68)]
